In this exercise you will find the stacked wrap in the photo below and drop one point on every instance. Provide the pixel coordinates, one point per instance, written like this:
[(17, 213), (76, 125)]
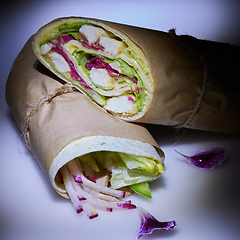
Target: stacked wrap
[(60, 124), (174, 80)]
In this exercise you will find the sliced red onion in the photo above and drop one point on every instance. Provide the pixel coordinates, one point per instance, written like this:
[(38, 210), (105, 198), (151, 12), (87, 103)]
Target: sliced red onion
[(105, 190), (86, 206), (89, 193), (89, 173), (94, 197), (89, 210), (97, 62), (70, 189), (75, 171), (207, 159), (99, 195), (150, 223), (108, 206)]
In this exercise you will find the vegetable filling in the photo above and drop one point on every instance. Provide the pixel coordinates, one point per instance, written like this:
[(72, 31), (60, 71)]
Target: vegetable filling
[(102, 179), (99, 63)]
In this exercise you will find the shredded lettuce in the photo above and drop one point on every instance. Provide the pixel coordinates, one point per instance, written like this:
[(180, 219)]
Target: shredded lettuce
[(127, 169), (66, 28)]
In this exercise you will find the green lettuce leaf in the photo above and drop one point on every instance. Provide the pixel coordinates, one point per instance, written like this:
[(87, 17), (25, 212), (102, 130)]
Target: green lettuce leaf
[(127, 169)]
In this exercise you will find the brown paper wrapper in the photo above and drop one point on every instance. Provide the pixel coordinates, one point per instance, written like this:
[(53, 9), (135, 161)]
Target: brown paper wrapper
[(52, 115), (196, 82)]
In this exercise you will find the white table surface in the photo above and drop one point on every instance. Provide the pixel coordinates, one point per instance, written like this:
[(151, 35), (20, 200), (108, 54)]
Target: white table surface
[(205, 204)]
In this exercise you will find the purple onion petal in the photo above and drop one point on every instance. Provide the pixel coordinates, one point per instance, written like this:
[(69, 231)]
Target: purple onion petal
[(207, 159), (150, 223), (57, 47)]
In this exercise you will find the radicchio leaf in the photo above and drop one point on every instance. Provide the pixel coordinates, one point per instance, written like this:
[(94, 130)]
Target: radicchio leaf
[(150, 223), (207, 159), (95, 46)]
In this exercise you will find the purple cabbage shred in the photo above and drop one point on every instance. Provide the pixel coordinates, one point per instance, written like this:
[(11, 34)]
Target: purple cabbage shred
[(98, 63), (57, 46), (64, 38), (94, 46), (149, 223), (207, 159), (58, 49)]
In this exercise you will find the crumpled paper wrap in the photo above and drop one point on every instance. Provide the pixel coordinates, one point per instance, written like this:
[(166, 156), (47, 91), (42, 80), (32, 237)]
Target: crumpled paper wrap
[(196, 82), (53, 115)]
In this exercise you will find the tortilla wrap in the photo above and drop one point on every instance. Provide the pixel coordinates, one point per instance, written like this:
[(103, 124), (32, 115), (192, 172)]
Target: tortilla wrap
[(59, 123), (144, 75)]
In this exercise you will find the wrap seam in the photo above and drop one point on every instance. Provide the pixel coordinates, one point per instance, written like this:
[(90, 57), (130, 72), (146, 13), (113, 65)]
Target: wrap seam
[(202, 58), (32, 110)]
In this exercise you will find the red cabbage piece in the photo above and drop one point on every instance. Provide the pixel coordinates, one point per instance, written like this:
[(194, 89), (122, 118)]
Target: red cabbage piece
[(95, 46), (207, 159), (98, 63), (64, 38), (150, 223), (58, 49)]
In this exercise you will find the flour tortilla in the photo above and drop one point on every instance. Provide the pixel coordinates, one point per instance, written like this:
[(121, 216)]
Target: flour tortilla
[(59, 123), (190, 83)]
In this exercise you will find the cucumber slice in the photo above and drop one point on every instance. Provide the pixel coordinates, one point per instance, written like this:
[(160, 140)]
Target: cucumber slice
[(142, 189)]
